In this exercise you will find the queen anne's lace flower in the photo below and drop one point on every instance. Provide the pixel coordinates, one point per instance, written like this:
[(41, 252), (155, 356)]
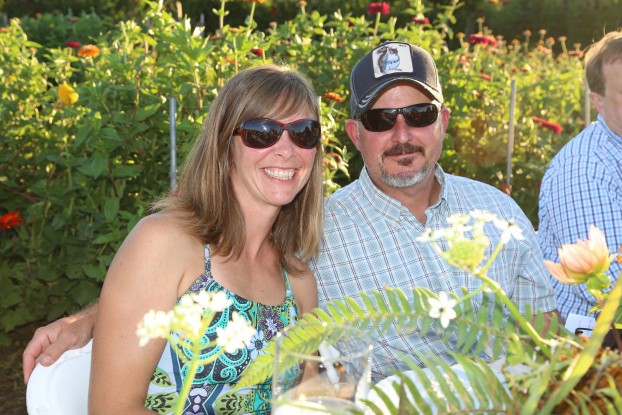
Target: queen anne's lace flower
[(236, 335), (155, 324)]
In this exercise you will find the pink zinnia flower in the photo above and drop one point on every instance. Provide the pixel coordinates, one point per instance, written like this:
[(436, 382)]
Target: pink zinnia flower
[(72, 44), (479, 38), (257, 51), (420, 20), (382, 8), (556, 128)]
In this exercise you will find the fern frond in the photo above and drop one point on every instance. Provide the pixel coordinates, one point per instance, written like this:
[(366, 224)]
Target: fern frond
[(379, 311), (440, 389), (389, 404)]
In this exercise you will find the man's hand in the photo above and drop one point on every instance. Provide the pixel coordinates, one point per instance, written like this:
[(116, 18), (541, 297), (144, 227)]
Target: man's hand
[(51, 341)]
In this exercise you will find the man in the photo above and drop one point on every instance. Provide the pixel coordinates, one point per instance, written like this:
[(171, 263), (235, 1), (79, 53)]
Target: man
[(398, 124), (583, 184)]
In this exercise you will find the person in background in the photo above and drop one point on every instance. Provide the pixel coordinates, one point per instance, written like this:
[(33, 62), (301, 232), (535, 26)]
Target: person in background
[(247, 216), (371, 226), (582, 185)]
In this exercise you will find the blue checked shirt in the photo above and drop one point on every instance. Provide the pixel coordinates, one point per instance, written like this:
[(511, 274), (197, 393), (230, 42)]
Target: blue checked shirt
[(370, 243), (581, 187)]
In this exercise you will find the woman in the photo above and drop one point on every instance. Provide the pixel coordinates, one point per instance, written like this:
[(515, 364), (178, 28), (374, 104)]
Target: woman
[(248, 213)]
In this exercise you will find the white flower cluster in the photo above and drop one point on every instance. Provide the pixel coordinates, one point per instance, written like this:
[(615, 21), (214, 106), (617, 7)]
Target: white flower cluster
[(466, 253), (190, 317), (463, 252)]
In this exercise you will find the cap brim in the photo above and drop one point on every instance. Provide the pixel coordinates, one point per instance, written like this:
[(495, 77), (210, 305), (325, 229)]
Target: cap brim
[(373, 95)]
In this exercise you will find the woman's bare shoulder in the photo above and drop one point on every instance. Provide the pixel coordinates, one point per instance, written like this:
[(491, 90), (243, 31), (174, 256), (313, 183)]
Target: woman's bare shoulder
[(304, 287)]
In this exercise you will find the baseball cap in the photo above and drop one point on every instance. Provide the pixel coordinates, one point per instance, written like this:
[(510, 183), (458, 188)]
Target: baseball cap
[(387, 64)]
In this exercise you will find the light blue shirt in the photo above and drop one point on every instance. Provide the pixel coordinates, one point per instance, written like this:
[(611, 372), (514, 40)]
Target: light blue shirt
[(370, 243), (581, 187)]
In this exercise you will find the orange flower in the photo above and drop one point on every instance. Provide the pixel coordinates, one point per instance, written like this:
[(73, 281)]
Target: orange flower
[(333, 96), (583, 261), (67, 94), (88, 51), (11, 220), (255, 1)]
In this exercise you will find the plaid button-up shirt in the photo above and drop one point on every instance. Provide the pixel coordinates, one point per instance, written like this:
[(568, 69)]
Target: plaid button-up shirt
[(370, 243), (581, 187)]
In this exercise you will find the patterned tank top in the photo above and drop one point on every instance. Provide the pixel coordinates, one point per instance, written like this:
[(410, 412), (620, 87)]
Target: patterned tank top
[(211, 392)]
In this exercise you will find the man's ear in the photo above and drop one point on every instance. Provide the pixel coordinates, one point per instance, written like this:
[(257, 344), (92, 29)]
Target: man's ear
[(353, 132), (445, 115), (597, 101)]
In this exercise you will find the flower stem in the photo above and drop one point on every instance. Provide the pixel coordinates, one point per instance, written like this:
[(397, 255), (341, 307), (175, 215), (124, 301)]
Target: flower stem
[(377, 23), (221, 15), (250, 20), (195, 361), (183, 394), (520, 319)]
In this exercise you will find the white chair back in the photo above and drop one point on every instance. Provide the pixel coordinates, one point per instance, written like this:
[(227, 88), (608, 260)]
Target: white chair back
[(62, 388)]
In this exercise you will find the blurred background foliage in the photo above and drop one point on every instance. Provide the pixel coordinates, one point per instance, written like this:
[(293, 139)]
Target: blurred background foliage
[(82, 169), (582, 21)]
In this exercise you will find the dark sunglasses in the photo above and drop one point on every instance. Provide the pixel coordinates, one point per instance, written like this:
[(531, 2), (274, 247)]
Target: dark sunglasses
[(383, 119), (264, 132)]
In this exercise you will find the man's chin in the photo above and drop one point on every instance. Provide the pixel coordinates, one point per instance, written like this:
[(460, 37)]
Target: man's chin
[(404, 179)]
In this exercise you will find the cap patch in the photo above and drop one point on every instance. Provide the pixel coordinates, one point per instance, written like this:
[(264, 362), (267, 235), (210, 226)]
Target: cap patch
[(391, 58)]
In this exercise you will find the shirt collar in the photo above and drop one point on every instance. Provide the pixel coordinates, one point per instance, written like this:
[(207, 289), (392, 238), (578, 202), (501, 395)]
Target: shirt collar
[(601, 122), (389, 207)]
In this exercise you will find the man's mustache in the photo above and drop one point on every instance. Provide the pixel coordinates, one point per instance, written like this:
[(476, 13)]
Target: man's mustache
[(402, 149)]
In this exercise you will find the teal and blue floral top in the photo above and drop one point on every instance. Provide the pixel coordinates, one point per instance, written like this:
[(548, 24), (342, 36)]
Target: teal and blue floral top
[(211, 392)]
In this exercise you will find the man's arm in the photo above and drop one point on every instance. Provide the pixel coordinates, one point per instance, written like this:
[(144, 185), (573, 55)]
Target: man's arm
[(51, 341)]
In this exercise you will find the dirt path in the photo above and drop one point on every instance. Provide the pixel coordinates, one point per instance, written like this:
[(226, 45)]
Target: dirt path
[(12, 388)]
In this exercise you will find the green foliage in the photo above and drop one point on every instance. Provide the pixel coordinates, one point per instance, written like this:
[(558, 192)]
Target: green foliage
[(54, 30)]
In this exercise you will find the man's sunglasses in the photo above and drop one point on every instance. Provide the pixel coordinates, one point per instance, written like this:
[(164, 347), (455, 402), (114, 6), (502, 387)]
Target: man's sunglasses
[(265, 132), (383, 119)]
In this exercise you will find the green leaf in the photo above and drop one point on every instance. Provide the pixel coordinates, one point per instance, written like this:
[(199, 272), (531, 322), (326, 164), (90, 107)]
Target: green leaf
[(95, 166), (147, 111), (111, 208), (84, 292), (126, 171)]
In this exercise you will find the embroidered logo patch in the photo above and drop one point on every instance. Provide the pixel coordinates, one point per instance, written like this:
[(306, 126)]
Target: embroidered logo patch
[(391, 58)]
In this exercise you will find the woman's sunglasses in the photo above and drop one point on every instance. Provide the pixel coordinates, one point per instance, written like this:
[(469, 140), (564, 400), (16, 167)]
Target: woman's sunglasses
[(265, 132), (418, 115)]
